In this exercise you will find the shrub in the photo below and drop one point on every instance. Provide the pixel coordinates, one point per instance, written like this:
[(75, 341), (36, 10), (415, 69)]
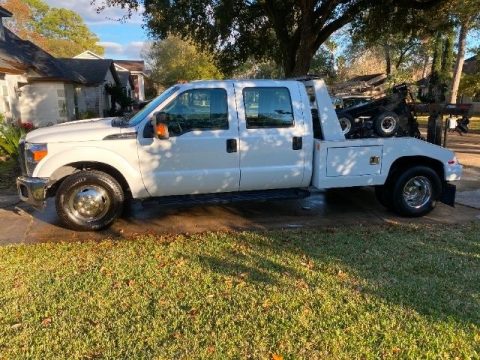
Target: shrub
[(10, 136)]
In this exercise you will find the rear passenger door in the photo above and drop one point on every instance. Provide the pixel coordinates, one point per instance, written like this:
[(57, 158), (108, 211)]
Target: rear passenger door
[(271, 129)]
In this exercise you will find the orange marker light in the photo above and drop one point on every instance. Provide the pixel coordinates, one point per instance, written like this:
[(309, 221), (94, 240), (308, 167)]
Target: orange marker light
[(39, 155)]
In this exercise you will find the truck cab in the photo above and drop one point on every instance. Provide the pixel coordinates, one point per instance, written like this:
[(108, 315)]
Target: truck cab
[(230, 139)]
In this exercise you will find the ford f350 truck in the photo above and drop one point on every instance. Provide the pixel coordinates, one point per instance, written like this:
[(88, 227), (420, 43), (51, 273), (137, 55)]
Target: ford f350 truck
[(225, 140)]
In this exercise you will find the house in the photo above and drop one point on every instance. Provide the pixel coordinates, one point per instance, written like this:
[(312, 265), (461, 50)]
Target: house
[(135, 87), (35, 87), (92, 98), (137, 71)]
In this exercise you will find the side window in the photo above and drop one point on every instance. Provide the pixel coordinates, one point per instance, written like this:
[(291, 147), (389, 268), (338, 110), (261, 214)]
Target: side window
[(268, 107), (197, 109)]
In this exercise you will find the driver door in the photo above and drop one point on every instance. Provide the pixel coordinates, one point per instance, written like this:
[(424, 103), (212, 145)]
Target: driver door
[(201, 155)]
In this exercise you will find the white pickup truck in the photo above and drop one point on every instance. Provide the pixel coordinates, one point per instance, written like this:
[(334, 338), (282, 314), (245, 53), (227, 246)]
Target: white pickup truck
[(225, 140)]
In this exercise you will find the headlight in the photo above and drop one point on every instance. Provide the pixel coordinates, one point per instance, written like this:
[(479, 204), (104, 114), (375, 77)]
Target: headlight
[(34, 153)]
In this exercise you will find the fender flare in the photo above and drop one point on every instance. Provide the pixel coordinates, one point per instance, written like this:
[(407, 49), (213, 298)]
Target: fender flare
[(92, 154)]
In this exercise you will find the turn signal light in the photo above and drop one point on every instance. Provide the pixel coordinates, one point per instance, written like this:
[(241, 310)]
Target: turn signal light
[(39, 155)]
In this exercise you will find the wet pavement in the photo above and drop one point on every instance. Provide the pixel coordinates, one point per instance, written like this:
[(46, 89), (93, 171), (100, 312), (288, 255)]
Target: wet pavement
[(342, 207)]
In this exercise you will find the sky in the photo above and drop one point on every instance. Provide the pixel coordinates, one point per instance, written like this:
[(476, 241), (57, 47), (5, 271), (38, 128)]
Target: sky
[(126, 40), (120, 40)]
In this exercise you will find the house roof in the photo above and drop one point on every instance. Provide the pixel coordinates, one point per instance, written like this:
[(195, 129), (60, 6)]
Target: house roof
[(132, 65), (125, 78), (20, 53), (93, 71), (471, 65), (4, 12)]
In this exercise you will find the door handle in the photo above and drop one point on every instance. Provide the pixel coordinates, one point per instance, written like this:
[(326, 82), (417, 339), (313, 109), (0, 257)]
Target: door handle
[(232, 146), (297, 143)]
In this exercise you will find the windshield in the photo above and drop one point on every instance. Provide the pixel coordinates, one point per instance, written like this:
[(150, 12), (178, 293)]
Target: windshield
[(142, 114)]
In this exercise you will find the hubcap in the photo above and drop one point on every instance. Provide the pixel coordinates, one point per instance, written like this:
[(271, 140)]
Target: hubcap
[(346, 125), (89, 203), (388, 124), (417, 192)]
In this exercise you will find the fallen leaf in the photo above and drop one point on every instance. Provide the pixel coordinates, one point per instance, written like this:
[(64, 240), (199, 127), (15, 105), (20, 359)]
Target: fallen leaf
[(277, 357), (47, 321), (16, 326)]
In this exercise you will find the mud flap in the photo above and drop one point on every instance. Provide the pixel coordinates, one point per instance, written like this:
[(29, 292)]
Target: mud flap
[(448, 196)]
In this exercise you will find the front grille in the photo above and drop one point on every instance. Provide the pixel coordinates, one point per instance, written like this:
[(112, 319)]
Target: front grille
[(21, 157)]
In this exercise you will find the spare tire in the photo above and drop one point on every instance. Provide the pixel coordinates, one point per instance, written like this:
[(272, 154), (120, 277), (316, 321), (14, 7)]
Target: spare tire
[(346, 122), (386, 124)]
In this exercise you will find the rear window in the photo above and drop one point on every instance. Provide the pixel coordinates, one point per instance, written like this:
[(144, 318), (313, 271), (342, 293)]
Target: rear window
[(268, 107)]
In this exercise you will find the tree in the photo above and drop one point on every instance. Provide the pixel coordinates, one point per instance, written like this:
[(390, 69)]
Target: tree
[(467, 17), (402, 34), (173, 60), (287, 31), (59, 31)]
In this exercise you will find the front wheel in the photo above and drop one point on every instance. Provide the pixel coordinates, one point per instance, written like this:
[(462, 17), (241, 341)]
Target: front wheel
[(89, 200), (416, 191)]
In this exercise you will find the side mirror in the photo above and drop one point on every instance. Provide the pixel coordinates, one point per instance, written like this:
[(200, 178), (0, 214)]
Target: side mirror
[(160, 127)]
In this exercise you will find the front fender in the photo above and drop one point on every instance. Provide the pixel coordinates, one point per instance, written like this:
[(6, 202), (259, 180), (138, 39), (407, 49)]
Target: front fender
[(125, 162)]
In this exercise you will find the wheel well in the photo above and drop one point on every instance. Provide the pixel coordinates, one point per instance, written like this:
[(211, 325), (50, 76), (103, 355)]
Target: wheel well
[(410, 161), (61, 174)]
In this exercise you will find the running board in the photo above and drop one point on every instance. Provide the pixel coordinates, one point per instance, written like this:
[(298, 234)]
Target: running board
[(225, 198)]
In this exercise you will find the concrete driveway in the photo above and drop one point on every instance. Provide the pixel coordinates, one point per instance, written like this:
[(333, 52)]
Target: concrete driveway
[(346, 207)]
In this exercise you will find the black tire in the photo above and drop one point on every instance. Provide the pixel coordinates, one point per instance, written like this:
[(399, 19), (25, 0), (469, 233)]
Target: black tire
[(386, 124), (347, 123), (85, 193), (411, 182), (384, 196)]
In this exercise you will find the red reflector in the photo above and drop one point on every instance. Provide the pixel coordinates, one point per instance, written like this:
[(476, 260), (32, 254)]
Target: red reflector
[(451, 162)]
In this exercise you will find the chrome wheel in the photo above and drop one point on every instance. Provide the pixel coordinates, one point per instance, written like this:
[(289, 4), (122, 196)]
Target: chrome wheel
[(417, 192), (346, 125), (89, 203), (388, 124)]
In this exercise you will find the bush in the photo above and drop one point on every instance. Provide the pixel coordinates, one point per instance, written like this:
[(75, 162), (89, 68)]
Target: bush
[(10, 136)]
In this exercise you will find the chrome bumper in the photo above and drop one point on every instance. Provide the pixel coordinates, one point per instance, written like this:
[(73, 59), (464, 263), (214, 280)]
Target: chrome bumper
[(33, 190)]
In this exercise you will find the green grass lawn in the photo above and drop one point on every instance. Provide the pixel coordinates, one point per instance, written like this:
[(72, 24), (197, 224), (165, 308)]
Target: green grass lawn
[(379, 292)]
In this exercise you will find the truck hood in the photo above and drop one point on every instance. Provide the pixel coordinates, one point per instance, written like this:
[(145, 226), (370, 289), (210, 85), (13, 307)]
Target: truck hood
[(74, 131)]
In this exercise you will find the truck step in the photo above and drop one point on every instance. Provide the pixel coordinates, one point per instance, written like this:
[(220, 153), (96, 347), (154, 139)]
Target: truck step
[(225, 198)]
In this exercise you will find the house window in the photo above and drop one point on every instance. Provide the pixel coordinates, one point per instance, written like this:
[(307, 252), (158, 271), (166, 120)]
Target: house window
[(61, 93), (268, 107)]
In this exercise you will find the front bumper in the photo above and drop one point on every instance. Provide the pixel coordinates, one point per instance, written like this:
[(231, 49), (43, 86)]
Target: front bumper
[(33, 190)]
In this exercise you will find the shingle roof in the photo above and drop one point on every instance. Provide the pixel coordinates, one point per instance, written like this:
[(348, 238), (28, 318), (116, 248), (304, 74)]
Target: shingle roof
[(4, 12), (132, 65), (471, 65), (14, 50), (93, 71), (124, 77)]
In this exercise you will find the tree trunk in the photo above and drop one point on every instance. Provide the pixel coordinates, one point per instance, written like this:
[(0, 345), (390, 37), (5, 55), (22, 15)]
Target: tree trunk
[(388, 60), (457, 75)]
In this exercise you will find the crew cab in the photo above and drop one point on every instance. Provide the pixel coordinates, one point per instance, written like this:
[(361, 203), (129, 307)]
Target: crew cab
[(225, 140)]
